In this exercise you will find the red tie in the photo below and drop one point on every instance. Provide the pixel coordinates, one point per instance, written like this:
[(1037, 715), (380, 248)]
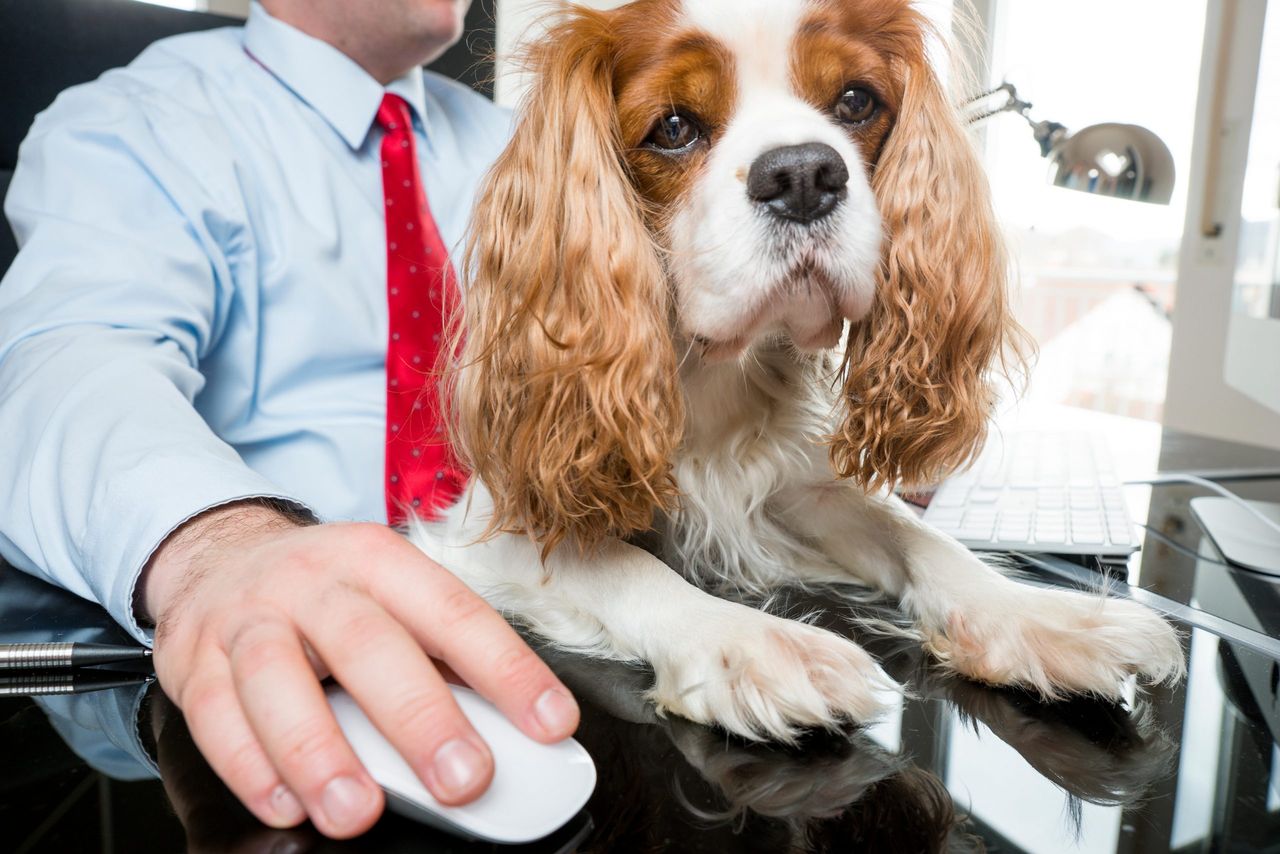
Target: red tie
[(422, 476)]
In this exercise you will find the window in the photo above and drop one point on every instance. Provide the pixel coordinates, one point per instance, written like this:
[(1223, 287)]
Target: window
[(1096, 274)]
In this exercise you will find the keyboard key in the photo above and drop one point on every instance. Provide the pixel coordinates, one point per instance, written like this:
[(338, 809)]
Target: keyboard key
[(1019, 498), (1088, 537), (1084, 500), (981, 533), (1046, 534), (1051, 498), (1057, 518), (1092, 519), (1014, 533), (945, 514)]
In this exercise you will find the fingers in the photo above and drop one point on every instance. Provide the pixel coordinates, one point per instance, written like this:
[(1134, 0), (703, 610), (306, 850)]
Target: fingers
[(455, 625), (287, 711), (223, 735), (389, 675)]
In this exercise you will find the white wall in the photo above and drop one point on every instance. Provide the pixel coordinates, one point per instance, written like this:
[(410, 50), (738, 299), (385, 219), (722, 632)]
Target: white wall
[(519, 20)]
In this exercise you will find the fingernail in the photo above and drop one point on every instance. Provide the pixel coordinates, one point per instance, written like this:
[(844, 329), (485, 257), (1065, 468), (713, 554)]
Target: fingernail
[(286, 806), (458, 764), (556, 711), (346, 802)]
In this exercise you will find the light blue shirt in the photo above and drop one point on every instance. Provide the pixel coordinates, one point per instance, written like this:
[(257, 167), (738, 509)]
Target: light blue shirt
[(198, 313)]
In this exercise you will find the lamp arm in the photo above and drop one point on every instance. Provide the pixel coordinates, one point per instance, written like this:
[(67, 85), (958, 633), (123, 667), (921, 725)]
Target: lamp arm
[(1047, 133), (1011, 103)]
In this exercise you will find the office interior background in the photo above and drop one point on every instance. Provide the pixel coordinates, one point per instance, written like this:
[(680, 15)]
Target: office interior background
[(1134, 308)]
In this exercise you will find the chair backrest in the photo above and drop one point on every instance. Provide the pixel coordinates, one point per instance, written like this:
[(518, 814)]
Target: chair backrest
[(49, 45), (8, 247)]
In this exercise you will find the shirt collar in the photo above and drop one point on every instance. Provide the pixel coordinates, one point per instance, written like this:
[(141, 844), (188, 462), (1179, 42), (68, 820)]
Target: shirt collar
[(325, 78)]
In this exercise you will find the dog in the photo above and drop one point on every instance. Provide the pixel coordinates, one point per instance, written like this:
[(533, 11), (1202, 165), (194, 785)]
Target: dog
[(701, 201)]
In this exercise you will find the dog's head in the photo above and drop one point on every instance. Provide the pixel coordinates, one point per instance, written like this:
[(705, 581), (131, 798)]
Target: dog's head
[(688, 177)]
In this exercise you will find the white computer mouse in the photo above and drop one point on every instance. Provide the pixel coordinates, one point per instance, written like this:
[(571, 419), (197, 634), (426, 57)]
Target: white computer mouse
[(537, 788)]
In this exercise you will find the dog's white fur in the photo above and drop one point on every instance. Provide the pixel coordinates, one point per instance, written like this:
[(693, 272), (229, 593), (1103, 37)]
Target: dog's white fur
[(760, 506)]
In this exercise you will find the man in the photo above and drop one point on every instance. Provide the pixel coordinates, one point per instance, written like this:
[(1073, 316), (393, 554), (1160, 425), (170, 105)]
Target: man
[(195, 358)]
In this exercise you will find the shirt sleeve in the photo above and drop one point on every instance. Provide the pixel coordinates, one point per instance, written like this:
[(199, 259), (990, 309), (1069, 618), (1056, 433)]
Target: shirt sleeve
[(132, 234)]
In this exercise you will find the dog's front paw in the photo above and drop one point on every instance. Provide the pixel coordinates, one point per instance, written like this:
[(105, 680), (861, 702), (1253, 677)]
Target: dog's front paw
[(765, 677), (1058, 642)]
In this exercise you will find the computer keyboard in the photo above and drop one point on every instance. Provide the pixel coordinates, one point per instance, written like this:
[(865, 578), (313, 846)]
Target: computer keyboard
[(1038, 491)]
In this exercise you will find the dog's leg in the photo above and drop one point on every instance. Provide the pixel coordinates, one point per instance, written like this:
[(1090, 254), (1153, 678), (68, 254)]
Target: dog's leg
[(715, 661), (981, 623)]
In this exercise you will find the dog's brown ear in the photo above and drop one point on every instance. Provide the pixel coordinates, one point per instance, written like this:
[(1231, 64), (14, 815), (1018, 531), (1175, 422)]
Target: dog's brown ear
[(918, 369), (566, 404)]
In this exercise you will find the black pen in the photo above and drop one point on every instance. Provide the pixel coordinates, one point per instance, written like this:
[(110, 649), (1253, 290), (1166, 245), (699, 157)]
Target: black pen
[(68, 682), (49, 656)]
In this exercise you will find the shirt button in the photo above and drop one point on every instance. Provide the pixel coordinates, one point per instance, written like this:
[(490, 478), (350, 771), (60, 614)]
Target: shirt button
[(417, 360), (404, 143), (395, 428), (395, 336), (417, 502), (417, 452), (395, 478), (395, 291), (416, 315), (394, 383), (413, 269), (393, 247), (439, 475)]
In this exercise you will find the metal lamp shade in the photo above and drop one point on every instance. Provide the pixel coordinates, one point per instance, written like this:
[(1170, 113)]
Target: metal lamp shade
[(1119, 160)]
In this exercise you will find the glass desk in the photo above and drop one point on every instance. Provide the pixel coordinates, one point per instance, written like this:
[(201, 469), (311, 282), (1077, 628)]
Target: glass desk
[(953, 765)]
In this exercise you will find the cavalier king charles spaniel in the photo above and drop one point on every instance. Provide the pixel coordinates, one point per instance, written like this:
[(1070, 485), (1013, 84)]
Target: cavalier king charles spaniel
[(701, 199)]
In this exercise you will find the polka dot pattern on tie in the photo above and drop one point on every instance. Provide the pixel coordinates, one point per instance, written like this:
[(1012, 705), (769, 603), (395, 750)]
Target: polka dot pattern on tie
[(422, 476)]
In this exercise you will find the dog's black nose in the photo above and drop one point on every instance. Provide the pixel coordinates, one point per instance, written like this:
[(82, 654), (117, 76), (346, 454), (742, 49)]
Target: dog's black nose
[(803, 183)]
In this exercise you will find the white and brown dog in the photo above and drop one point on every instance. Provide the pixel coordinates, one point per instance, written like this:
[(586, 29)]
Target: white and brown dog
[(700, 195)]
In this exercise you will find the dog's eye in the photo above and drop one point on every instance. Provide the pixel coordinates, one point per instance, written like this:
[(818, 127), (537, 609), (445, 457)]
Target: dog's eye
[(674, 132), (856, 106)]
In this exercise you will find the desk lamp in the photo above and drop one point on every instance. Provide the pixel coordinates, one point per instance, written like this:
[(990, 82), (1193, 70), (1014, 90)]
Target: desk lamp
[(1110, 159)]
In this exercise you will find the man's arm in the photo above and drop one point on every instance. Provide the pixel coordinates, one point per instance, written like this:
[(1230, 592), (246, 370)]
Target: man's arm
[(131, 238), (125, 278)]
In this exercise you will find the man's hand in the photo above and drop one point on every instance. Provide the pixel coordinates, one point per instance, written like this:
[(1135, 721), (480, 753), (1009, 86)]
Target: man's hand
[(251, 608)]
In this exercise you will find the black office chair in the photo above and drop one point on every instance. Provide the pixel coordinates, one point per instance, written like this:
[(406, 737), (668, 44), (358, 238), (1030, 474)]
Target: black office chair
[(49, 45)]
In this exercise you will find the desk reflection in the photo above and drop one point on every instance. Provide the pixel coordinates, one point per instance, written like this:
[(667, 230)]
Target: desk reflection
[(666, 784)]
